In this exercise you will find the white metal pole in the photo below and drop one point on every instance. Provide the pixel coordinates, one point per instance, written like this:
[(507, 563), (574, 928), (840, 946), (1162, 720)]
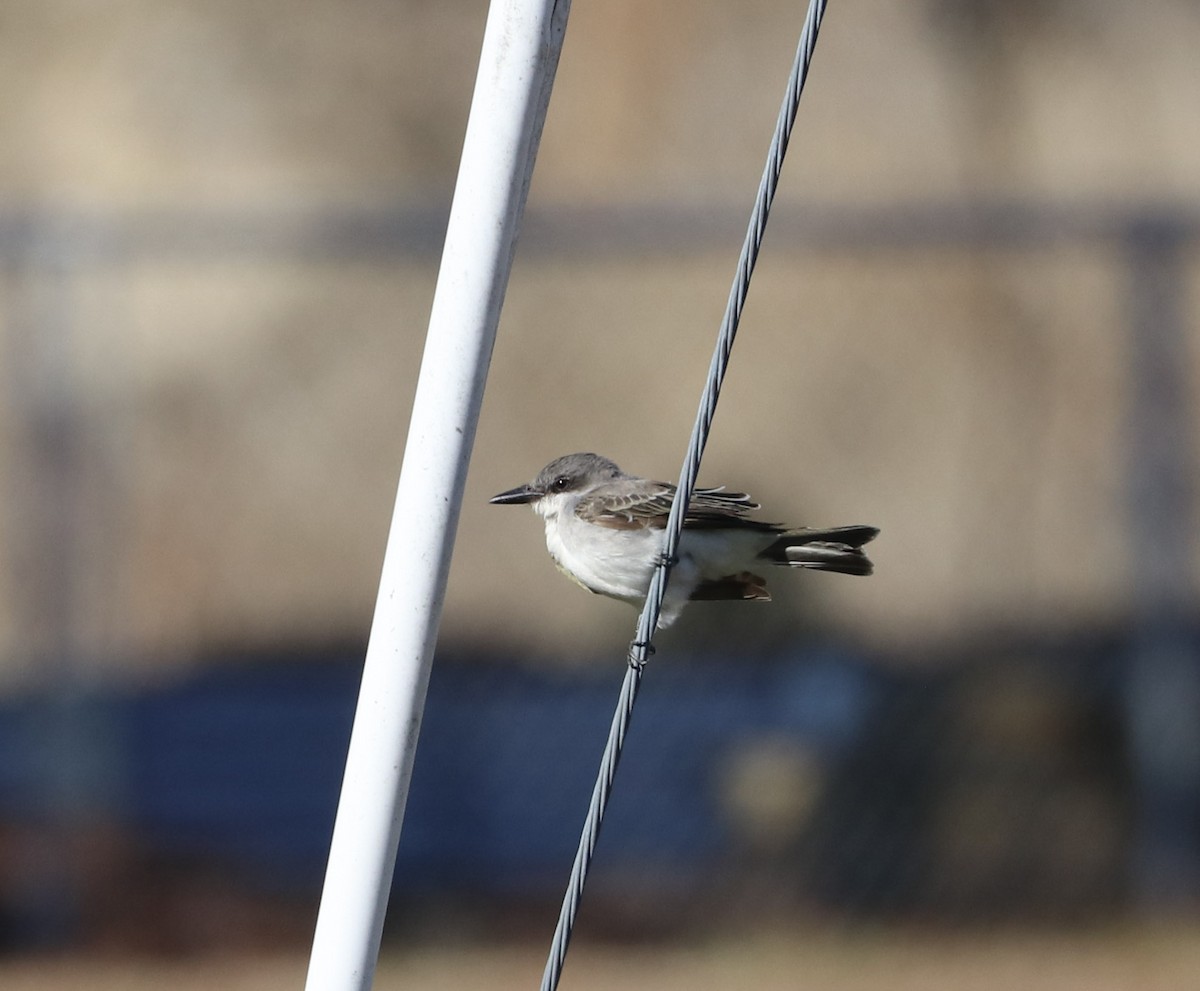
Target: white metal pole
[(521, 45)]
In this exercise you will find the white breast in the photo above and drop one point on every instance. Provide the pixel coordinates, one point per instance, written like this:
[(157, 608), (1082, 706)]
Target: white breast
[(613, 562)]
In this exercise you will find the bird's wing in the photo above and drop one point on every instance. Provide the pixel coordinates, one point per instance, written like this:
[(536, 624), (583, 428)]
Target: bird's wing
[(641, 503)]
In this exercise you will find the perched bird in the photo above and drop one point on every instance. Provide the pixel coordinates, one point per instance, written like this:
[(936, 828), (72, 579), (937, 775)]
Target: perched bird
[(605, 531)]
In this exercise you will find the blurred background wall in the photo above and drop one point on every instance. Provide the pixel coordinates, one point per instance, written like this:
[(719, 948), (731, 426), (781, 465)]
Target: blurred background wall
[(974, 325)]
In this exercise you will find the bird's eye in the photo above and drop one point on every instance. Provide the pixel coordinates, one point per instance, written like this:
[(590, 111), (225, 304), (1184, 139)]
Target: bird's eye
[(561, 483)]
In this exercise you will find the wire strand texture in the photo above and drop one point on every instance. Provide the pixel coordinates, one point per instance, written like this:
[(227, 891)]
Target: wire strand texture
[(642, 646)]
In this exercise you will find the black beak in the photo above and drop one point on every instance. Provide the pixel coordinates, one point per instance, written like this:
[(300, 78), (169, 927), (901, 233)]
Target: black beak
[(514, 497)]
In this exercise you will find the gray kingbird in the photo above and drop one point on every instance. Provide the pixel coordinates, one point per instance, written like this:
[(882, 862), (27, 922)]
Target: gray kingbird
[(605, 531)]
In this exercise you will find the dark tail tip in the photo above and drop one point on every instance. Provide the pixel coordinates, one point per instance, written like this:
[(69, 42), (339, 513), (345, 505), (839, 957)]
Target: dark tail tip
[(837, 549)]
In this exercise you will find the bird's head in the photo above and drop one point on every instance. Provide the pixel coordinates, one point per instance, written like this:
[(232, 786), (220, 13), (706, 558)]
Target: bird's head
[(569, 475)]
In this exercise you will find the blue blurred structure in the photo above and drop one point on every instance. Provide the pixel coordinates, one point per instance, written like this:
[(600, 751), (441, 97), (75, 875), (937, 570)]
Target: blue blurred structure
[(238, 767), (236, 770), (243, 764)]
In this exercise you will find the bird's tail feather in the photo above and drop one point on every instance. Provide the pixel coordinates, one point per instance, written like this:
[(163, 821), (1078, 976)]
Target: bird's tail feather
[(836, 549)]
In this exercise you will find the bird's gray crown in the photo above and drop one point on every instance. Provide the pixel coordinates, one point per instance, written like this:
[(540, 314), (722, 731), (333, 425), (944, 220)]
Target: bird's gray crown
[(573, 472)]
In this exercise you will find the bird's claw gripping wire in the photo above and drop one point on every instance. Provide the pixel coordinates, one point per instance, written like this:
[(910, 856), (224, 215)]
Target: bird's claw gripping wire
[(640, 651)]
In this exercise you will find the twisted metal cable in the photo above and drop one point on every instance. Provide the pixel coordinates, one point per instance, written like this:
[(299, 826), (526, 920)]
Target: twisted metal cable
[(641, 648)]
